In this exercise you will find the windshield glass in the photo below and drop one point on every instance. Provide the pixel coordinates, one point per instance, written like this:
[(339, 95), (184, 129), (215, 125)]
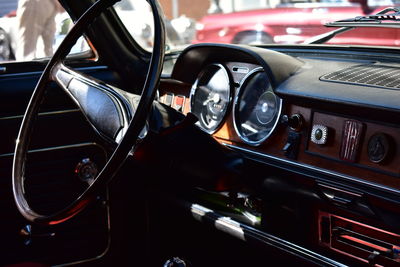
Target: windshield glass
[(26, 35), (256, 22)]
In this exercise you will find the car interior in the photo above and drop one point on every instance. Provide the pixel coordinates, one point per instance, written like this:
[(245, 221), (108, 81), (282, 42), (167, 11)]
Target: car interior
[(215, 155)]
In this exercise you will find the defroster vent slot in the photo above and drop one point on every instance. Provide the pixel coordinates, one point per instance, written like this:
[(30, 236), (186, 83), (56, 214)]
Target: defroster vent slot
[(377, 75)]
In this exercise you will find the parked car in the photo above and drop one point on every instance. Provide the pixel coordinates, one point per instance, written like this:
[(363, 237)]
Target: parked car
[(299, 22), (7, 6), (276, 155)]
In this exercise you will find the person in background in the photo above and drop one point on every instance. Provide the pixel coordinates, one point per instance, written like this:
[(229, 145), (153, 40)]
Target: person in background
[(36, 19)]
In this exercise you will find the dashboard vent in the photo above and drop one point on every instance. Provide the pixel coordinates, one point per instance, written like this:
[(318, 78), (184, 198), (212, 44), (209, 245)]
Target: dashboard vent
[(372, 74)]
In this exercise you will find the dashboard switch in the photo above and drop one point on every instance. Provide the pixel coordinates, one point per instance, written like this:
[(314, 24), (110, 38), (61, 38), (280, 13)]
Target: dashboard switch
[(352, 132), (179, 103), (168, 99), (291, 148)]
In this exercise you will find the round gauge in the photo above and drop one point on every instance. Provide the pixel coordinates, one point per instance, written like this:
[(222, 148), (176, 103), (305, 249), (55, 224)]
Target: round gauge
[(210, 97), (257, 108)]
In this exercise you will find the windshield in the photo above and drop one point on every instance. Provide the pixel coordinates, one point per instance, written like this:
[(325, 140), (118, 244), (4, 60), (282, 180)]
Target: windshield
[(258, 22), (254, 22)]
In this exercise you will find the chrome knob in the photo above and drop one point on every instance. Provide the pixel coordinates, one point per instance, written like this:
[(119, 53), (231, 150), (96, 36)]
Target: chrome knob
[(319, 134)]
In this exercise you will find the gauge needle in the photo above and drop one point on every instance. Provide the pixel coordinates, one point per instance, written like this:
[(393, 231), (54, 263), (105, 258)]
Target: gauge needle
[(249, 128), (215, 98)]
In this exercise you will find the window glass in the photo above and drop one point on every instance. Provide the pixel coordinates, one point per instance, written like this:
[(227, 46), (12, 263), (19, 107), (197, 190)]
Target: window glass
[(138, 20), (31, 29), (34, 28)]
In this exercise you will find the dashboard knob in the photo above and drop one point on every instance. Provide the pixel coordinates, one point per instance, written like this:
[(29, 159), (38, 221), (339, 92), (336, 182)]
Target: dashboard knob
[(380, 147), (295, 121)]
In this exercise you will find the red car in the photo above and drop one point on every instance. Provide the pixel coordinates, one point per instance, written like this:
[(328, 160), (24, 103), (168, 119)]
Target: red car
[(299, 22)]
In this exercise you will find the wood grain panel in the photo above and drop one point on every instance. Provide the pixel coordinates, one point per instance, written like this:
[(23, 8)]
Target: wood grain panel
[(329, 159), (332, 148)]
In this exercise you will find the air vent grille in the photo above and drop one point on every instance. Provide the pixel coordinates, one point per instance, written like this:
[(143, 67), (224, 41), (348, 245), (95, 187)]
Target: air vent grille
[(373, 75)]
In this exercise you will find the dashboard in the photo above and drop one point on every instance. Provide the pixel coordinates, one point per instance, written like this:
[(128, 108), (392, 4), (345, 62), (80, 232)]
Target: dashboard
[(285, 108), (322, 123)]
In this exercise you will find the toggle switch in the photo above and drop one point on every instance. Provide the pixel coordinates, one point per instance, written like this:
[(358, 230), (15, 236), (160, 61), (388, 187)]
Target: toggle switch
[(291, 148)]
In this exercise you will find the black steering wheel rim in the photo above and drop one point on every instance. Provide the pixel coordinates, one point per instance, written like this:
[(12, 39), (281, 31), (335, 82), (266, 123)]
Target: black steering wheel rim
[(125, 145)]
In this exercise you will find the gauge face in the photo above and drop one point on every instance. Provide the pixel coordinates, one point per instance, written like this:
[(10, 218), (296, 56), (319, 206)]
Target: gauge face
[(257, 108), (210, 97)]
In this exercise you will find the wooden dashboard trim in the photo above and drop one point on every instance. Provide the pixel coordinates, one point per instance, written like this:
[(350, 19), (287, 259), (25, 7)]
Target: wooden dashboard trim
[(331, 150), (395, 175)]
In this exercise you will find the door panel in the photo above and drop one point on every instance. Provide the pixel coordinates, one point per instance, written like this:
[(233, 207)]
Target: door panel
[(61, 140), (53, 129), (52, 183)]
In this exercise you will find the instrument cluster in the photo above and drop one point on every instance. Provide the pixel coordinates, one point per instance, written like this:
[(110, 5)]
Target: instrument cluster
[(250, 100)]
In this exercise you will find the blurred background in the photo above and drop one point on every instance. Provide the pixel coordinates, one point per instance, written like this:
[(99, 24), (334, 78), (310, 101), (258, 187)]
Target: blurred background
[(195, 21)]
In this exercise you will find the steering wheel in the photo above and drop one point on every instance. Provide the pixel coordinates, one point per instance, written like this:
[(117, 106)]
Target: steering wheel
[(114, 114)]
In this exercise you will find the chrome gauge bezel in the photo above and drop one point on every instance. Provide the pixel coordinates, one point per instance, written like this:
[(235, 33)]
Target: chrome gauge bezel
[(235, 110), (229, 105)]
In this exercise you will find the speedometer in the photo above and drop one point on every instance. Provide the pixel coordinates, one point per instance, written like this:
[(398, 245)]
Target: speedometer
[(257, 108), (210, 97)]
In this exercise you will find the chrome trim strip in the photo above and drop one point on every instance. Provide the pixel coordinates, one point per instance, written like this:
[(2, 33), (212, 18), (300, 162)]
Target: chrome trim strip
[(12, 75), (241, 231), (316, 169), (54, 148), (48, 113)]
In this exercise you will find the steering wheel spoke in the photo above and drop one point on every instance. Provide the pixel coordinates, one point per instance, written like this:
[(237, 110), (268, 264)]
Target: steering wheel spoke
[(108, 111), (61, 74)]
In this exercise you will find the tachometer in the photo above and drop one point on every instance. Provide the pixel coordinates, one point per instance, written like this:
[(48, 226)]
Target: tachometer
[(210, 97), (257, 108)]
